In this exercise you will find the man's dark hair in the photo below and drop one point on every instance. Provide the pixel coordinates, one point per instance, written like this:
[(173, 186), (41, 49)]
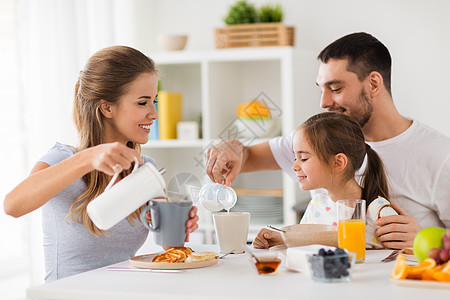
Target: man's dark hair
[(364, 54)]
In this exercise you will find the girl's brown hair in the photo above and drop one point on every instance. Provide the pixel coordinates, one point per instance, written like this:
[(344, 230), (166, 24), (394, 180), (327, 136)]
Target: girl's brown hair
[(330, 133), (107, 75)]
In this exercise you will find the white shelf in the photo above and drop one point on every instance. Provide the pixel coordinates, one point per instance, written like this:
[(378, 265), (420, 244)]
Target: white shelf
[(200, 143), (175, 144), (221, 55), (213, 84)]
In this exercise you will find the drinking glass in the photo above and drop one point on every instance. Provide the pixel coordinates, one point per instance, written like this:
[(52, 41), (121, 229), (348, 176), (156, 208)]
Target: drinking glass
[(352, 226), (231, 230)]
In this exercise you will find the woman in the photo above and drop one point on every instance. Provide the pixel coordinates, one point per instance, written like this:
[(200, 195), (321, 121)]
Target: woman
[(114, 107)]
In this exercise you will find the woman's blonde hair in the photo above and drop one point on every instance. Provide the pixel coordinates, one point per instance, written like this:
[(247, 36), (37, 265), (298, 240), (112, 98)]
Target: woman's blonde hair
[(107, 75), (330, 133)]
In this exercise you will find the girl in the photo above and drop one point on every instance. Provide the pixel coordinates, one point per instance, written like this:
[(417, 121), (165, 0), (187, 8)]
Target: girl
[(114, 106), (329, 150)]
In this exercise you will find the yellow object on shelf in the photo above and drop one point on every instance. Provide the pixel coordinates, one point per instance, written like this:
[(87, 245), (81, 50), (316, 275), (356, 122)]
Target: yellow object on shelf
[(170, 110), (253, 110)]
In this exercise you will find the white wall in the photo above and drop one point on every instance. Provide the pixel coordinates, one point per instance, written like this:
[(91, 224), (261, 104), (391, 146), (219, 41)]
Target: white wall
[(416, 33)]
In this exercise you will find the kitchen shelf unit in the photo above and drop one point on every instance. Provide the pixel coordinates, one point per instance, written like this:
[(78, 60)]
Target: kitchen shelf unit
[(213, 84)]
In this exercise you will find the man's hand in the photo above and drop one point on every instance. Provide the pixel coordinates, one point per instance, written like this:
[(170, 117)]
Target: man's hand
[(224, 161), (397, 232), (267, 238)]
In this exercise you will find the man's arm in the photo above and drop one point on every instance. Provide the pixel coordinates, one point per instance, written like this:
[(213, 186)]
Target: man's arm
[(259, 157), (229, 158), (399, 231)]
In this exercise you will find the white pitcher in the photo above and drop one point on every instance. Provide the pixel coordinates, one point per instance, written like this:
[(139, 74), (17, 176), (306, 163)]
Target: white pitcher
[(120, 200), (215, 197)]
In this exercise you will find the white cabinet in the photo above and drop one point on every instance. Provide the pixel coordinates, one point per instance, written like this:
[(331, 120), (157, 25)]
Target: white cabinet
[(213, 84)]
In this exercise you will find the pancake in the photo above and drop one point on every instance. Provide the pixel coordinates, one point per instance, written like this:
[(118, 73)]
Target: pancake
[(174, 255), (202, 256)]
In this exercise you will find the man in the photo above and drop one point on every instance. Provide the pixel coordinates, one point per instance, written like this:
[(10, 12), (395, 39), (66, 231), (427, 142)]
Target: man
[(355, 79)]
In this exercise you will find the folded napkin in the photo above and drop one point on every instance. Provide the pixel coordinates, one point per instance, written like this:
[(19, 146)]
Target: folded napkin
[(379, 207)]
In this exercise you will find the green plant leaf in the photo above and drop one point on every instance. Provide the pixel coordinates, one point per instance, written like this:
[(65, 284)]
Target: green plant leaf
[(241, 13), (269, 13)]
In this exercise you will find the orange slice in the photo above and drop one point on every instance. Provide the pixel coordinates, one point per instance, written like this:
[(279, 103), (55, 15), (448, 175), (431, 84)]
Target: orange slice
[(429, 274), (400, 270), (446, 268), (442, 276), (417, 271)]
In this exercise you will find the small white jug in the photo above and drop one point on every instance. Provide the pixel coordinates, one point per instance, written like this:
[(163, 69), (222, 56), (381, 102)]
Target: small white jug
[(120, 200), (215, 197)]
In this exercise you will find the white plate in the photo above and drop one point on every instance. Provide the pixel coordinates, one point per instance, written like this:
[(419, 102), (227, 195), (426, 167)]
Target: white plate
[(422, 283)]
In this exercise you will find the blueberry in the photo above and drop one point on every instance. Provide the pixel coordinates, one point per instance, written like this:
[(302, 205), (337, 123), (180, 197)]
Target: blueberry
[(340, 251), (326, 264), (335, 272), (344, 260)]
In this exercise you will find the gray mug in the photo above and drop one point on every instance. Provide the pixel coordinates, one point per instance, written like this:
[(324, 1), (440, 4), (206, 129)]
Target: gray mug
[(168, 221)]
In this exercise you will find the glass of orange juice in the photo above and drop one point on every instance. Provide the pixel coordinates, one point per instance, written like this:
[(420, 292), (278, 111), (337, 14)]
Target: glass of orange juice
[(352, 226)]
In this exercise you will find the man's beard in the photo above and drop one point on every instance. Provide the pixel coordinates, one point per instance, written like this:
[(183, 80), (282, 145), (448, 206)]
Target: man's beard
[(361, 113)]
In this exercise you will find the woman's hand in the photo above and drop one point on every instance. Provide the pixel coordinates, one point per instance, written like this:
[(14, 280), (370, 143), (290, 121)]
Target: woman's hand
[(148, 217), (267, 238), (46, 181), (113, 157), (191, 224)]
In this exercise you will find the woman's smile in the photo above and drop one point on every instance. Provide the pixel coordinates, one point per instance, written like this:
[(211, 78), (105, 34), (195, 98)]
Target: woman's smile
[(300, 178), (146, 127)]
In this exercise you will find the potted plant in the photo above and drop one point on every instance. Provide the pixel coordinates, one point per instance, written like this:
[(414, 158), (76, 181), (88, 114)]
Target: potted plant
[(269, 13), (248, 26), (241, 13)]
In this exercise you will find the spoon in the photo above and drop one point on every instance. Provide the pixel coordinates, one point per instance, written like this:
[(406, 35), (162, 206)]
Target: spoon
[(275, 228), (230, 252)]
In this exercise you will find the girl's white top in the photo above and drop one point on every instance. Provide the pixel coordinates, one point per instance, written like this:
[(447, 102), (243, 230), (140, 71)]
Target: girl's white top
[(322, 210)]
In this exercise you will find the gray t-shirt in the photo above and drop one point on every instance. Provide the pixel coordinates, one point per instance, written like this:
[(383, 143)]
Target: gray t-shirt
[(69, 248)]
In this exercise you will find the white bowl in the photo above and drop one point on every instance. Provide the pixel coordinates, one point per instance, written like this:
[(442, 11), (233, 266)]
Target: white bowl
[(307, 234), (331, 268), (296, 257), (171, 42), (270, 259)]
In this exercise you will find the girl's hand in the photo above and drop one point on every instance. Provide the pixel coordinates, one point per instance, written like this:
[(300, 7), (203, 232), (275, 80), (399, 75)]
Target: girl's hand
[(191, 224), (113, 157), (267, 238)]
